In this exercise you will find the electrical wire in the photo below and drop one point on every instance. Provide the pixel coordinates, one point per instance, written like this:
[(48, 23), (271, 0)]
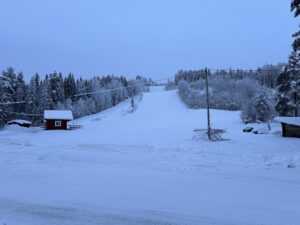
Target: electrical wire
[(12, 103), (28, 114), (120, 88)]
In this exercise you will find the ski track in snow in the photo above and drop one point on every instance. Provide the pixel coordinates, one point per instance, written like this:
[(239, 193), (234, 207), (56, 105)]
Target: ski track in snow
[(144, 167)]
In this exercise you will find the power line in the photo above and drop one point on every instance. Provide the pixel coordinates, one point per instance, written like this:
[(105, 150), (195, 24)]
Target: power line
[(243, 70), (28, 114), (236, 70), (104, 91), (120, 88), (12, 103)]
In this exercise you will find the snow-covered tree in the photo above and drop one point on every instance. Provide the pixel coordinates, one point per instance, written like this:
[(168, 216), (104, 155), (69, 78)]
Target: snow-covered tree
[(33, 96), (135, 87), (56, 92), (119, 92), (69, 86), (288, 81), (295, 7), (46, 95), (263, 107), (81, 88), (107, 99), (248, 113), (183, 89), (9, 82), (20, 94), (57, 87), (225, 93), (170, 85), (8, 86), (99, 98)]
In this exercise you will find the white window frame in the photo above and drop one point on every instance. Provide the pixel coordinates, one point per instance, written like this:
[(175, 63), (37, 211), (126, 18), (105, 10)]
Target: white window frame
[(57, 123)]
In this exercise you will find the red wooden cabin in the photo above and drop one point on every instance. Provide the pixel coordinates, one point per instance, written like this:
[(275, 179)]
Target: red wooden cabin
[(57, 119)]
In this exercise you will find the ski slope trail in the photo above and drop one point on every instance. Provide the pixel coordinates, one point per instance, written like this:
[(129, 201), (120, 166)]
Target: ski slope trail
[(144, 167)]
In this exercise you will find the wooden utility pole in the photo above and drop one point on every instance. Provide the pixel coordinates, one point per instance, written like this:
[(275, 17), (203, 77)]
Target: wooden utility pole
[(207, 103)]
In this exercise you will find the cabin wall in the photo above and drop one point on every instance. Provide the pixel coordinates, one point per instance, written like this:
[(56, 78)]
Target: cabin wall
[(290, 130), (50, 125)]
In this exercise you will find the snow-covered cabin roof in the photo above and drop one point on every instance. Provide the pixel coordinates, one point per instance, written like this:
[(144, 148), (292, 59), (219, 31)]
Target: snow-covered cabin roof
[(288, 120), (58, 115), (19, 122)]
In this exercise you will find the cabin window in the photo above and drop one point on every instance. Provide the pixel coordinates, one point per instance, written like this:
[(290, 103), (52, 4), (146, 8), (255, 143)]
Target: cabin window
[(57, 123)]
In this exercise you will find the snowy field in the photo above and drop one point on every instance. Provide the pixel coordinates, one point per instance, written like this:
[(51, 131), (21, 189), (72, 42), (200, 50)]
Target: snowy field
[(144, 167)]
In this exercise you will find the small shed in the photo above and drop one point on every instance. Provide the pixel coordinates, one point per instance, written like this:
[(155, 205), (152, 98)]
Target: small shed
[(290, 126), (57, 119)]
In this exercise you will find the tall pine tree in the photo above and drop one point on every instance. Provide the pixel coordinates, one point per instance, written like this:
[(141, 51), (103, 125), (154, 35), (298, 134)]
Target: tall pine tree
[(20, 95), (46, 95), (8, 85), (287, 86), (57, 88), (33, 100), (295, 7)]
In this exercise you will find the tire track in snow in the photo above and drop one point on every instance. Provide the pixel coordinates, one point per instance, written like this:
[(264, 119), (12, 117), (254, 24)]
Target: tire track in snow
[(15, 212)]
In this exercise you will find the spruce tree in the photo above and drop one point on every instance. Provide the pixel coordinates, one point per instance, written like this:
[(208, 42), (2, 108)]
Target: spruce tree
[(7, 93), (57, 88), (21, 93), (288, 96), (295, 7), (294, 91), (33, 95), (46, 95), (69, 87)]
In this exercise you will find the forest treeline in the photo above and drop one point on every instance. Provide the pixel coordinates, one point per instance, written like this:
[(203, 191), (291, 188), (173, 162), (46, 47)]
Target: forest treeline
[(260, 94), (19, 99)]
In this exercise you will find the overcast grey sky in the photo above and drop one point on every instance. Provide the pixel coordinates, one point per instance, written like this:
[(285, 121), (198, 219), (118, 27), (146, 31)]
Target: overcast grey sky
[(154, 38)]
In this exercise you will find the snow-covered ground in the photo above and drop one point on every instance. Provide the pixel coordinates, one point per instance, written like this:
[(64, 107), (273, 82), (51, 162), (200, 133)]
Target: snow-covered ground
[(144, 167)]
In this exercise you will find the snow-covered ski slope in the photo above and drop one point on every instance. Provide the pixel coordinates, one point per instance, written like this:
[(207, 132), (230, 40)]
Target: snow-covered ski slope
[(143, 167)]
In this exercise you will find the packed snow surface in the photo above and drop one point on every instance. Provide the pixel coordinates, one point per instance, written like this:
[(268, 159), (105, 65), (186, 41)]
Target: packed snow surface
[(58, 114), (143, 166)]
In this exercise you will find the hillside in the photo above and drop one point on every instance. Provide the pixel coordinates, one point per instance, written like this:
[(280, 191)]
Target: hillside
[(144, 167)]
